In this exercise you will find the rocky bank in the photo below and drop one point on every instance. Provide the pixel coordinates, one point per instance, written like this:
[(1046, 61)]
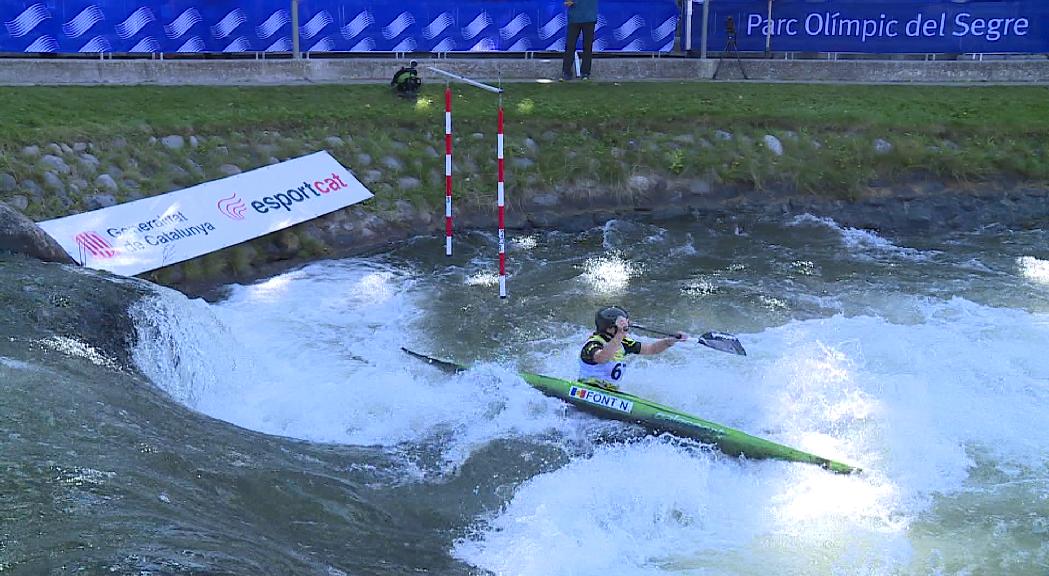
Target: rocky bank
[(551, 183)]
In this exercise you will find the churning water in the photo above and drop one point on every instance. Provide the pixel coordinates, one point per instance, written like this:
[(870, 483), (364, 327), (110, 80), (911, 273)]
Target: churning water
[(920, 359)]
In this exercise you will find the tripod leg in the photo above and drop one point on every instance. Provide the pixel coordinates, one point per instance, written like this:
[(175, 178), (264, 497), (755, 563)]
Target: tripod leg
[(739, 61), (720, 59)]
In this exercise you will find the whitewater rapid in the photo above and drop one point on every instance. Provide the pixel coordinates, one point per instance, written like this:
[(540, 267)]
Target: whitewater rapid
[(902, 360)]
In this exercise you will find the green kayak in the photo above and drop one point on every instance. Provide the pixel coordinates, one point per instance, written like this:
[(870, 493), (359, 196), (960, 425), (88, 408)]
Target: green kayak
[(659, 418)]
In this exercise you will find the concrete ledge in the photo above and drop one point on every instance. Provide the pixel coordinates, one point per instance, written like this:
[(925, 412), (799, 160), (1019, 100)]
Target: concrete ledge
[(15, 72), (882, 71)]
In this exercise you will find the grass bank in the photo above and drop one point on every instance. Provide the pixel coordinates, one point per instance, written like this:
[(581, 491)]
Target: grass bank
[(35, 114), (66, 149), (602, 132)]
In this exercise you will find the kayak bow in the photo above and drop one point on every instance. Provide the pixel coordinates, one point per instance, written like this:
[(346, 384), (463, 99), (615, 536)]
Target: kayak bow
[(658, 418)]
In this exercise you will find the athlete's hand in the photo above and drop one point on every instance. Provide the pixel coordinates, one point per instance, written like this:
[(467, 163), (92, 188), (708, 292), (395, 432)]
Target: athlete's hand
[(677, 337)]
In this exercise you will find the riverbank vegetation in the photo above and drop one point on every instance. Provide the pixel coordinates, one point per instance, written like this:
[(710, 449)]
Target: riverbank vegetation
[(69, 149)]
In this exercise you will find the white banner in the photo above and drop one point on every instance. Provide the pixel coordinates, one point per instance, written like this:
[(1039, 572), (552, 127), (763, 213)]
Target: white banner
[(154, 232)]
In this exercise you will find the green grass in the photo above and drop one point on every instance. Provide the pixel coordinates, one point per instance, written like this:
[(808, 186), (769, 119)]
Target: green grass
[(43, 114)]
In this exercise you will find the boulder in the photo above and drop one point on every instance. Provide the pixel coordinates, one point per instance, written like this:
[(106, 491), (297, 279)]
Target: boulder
[(107, 183), (88, 163), (78, 186), (371, 176), (393, 163), (882, 146), (408, 183), (773, 144), (19, 202), (53, 182), (640, 183), (34, 189), (21, 235), (55, 163), (98, 201), (229, 170), (173, 142), (8, 182)]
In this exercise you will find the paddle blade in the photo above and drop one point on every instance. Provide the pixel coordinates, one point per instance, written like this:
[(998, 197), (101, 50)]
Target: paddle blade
[(723, 342), (449, 367)]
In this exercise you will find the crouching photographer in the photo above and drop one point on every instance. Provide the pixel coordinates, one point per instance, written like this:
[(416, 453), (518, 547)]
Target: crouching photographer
[(406, 81)]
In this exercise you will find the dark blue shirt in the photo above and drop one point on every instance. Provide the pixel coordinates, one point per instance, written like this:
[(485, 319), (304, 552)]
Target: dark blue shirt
[(582, 11)]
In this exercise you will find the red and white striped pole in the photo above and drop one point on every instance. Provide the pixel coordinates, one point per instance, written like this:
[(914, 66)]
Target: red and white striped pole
[(447, 170), (502, 206)]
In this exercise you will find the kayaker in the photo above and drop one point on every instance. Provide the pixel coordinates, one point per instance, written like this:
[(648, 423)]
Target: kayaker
[(602, 360)]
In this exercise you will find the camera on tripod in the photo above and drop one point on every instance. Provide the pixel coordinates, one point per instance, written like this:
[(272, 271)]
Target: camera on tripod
[(730, 48)]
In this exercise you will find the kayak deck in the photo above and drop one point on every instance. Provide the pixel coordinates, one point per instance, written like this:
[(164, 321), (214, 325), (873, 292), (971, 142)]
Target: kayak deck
[(658, 418)]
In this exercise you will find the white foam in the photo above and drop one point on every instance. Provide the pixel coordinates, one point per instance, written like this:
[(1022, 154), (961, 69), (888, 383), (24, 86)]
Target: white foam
[(1034, 269), (315, 354), (16, 364), (77, 349), (528, 242), (686, 249), (656, 508), (863, 243), (913, 404), (482, 278)]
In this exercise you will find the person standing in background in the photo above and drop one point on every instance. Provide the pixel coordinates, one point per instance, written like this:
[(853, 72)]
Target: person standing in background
[(582, 18)]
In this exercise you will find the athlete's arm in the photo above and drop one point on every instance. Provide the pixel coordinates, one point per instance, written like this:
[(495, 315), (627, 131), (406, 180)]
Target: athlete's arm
[(608, 351), (661, 345)]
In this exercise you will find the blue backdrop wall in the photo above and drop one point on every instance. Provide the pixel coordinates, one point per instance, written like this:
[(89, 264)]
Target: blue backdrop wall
[(325, 25)]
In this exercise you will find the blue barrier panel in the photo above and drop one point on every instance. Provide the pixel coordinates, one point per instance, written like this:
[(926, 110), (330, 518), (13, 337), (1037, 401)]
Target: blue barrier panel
[(325, 25), (479, 26), (1018, 26), (71, 26)]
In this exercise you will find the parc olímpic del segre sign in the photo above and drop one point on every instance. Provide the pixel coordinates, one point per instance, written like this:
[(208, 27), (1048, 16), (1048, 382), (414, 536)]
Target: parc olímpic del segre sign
[(151, 233)]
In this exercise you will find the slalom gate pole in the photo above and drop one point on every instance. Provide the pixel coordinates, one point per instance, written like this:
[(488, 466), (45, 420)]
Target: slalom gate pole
[(501, 203), (466, 80), (501, 189), (447, 170)]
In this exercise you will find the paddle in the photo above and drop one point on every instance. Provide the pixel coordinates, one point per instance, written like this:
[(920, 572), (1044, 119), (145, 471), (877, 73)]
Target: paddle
[(716, 340), (448, 367)]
